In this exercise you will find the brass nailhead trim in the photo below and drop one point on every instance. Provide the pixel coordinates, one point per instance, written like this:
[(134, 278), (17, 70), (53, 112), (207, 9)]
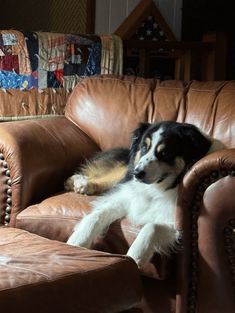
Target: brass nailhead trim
[(8, 209), (229, 242), (229, 237), (9, 200), (4, 164), (7, 219), (7, 172), (7, 213)]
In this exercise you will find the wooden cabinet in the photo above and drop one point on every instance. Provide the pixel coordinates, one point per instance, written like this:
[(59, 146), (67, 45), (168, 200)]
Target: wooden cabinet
[(151, 50)]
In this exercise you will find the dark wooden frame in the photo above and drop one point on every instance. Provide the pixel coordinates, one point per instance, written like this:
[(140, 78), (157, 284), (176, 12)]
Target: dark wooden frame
[(137, 16), (90, 16)]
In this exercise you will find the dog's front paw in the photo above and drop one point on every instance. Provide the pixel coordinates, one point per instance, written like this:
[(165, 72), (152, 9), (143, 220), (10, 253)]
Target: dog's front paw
[(137, 256), (77, 183), (76, 239)]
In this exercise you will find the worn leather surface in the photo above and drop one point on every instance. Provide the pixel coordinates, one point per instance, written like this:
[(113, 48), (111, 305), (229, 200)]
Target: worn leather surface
[(56, 216), (31, 103), (40, 155), (209, 187), (108, 108), (215, 280), (44, 276)]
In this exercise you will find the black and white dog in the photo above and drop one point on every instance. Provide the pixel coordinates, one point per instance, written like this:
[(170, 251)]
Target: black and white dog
[(140, 183)]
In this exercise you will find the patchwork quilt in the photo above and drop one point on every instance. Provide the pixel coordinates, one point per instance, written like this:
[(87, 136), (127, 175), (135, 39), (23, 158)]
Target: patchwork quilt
[(39, 69), (51, 60), (44, 60)]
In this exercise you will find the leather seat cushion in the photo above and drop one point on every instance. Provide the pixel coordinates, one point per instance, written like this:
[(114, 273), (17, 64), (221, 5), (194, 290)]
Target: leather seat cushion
[(42, 275), (56, 216)]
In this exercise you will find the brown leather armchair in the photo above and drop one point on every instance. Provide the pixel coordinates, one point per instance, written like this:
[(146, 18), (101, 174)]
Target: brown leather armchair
[(37, 156)]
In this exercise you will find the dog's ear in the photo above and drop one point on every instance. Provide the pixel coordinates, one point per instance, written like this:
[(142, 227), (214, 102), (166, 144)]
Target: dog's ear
[(197, 144), (137, 135)]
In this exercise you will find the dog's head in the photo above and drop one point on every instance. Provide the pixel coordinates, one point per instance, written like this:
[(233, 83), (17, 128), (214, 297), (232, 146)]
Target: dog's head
[(162, 152)]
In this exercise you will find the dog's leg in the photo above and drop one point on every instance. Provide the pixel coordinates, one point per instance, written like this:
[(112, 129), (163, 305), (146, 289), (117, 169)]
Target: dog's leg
[(152, 238), (97, 222)]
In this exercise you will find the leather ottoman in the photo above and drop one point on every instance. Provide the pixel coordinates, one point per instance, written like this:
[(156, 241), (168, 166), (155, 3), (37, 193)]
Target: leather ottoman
[(43, 275)]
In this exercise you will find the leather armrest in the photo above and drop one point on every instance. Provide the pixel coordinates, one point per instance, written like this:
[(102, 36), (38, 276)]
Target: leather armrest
[(204, 172), (205, 210), (36, 157)]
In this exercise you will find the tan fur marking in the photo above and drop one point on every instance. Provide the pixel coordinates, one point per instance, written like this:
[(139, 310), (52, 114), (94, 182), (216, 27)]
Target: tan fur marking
[(179, 163), (137, 158), (148, 142), (161, 147), (102, 176)]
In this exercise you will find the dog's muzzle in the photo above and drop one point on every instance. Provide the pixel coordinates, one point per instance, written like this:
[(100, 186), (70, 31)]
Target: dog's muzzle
[(143, 176), (139, 175)]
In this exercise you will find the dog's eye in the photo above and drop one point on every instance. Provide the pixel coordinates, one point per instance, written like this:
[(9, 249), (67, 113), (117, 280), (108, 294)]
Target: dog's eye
[(164, 154)]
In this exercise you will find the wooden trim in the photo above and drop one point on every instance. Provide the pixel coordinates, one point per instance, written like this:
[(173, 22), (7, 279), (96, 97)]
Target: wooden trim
[(130, 24), (218, 58), (138, 15), (182, 45), (90, 16)]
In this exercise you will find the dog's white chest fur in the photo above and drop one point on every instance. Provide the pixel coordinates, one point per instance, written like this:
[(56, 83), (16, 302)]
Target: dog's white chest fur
[(145, 203)]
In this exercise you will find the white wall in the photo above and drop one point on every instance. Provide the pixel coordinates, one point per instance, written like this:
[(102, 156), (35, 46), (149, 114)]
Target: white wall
[(111, 13)]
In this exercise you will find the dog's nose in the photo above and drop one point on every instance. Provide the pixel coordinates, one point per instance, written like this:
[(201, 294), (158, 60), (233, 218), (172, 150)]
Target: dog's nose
[(139, 175)]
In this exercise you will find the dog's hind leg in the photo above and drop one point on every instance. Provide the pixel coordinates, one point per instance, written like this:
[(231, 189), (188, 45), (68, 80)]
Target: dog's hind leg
[(100, 174), (95, 224), (152, 238)]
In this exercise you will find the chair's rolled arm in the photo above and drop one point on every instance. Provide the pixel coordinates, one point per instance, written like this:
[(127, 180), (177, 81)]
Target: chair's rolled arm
[(36, 156), (206, 214)]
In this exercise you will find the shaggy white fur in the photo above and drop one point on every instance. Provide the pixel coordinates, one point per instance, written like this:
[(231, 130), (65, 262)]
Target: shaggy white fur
[(143, 204)]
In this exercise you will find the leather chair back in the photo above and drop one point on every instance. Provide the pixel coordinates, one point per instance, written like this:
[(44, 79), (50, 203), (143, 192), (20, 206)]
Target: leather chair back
[(108, 108)]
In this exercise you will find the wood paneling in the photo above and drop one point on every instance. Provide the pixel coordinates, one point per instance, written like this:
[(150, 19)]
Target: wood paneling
[(49, 15), (131, 4), (102, 17), (118, 9)]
